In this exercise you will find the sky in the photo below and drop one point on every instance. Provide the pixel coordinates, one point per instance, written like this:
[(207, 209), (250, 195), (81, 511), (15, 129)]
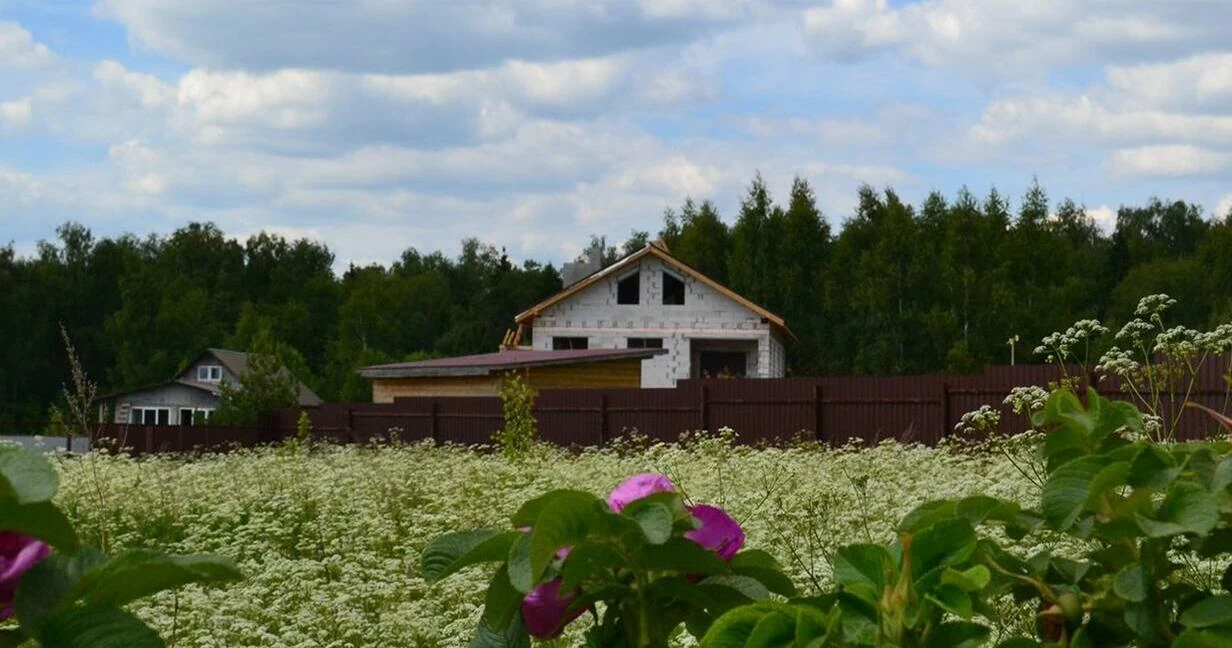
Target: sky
[(378, 125)]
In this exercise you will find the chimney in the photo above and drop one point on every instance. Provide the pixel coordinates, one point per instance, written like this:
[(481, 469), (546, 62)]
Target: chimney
[(589, 263)]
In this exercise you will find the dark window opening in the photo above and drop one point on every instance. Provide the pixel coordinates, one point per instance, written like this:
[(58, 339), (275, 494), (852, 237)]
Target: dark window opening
[(629, 289), (645, 343), (722, 364), (673, 290), (569, 343), (186, 416)]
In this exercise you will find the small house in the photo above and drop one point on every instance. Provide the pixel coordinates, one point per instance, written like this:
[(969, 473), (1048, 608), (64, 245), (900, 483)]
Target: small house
[(191, 396)]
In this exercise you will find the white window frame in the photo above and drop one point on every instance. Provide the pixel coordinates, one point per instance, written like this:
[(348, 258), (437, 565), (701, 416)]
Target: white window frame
[(209, 373), (200, 415), (132, 411)]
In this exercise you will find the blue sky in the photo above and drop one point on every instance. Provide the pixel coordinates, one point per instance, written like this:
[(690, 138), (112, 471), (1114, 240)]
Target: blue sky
[(375, 126)]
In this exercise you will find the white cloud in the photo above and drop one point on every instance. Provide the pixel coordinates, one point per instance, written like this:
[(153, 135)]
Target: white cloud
[(18, 49), (1196, 81), (15, 114), (1176, 160), (1008, 37)]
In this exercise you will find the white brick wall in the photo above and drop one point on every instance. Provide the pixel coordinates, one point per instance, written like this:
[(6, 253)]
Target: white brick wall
[(705, 315)]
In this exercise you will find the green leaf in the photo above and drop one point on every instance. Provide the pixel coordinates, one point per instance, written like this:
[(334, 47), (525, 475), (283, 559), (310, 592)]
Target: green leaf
[(1020, 642), (734, 628), (863, 570), (50, 582), (680, 555), (587, 560), (1225, 581), (927, 514), (513, 636), (1132, 583), (655, 519), (1205, 638), (453, 551), (97, 627), (142, 572), (948, 542), (40, 520), (1213, 611), (972, 579), (1187, 508), (755, 558), (529, 512), (953, 600), (774, 580), (26, 476), (957, 634), (519, 565), (1152, 467), (564, 521), (748, 587), (776, 629), (502, 602), (1067, 490)]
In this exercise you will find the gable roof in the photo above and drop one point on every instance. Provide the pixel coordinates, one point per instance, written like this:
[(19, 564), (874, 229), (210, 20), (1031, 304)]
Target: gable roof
[(485, 364), (659, 251), (236, 362)]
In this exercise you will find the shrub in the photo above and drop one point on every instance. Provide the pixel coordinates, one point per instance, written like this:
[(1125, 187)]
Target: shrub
[(519, 432)]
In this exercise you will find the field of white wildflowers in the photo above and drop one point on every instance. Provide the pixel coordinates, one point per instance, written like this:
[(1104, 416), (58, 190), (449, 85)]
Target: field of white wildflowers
[(329, 539)]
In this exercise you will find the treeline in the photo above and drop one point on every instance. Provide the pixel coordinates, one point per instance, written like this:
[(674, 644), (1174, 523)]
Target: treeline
[(898, 289)]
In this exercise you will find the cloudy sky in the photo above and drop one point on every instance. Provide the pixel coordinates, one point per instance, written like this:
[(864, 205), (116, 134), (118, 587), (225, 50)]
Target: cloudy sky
[(375, 125)]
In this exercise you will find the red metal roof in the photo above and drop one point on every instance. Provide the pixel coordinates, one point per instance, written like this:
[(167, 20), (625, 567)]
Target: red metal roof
[(486, 363)]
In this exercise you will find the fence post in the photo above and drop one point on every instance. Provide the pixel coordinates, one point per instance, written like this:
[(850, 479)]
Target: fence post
[(703, 408), (350, 427), (945, 410), (433, 427), (602, 420), (817, 435)]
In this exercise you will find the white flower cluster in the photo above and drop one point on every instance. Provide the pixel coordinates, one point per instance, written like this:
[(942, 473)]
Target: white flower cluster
[(1025, 400), (1135, 332), (1177, 342), (1060, 346), (980, 422), (1216, 342), (330, 540), (1153, 306), (1120, 363)]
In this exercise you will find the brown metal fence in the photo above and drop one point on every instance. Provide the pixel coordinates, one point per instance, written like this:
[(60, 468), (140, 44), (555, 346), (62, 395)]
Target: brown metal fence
[(833, 410)]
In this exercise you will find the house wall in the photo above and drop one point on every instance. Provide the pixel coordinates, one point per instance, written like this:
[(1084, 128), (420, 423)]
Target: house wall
[(705, 315), (171, 396), (190, 374), (587, 375)]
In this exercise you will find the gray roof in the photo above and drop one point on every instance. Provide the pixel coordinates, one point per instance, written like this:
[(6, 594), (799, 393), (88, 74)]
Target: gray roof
[(237, 363)]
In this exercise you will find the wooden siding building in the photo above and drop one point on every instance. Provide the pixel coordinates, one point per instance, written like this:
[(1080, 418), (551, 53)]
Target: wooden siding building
[(481, 375)]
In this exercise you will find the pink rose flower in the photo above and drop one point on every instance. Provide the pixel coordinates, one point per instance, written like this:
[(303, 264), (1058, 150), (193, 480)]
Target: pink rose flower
[(18, 553), (546, 612), (718, 531), (637, 487)]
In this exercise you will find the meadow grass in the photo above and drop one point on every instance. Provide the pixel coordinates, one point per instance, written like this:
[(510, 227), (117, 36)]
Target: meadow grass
[(330, 538)]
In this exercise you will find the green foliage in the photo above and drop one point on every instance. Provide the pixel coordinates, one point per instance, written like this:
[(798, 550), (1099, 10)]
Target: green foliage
[(74, 595), (650, 578), (265, 385), (520, 430), (1144, 514)]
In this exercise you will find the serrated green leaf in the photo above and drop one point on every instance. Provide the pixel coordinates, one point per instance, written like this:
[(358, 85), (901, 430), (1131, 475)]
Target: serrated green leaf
[(774, 580), (957, 634), (863, 570), (48, 583), (587, 560), (927, 514), (11, 638), (141, 572), (40, 520), (654, 518), (520, 574), (952, 600), (945, 543), (513, 636), (97, 627), (680, 555), (1067, 490), (1187, 508), (502, 602), (26, 477), (564, 521), (453, 551), (734, 628), (755, 558), (1132, 583), (778, 628), (972, 579), (1205, 638), (748, 588), (1213, 611)]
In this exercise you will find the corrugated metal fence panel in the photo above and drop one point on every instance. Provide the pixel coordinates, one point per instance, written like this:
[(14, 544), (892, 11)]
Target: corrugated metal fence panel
[(571, 417), (661, 414)]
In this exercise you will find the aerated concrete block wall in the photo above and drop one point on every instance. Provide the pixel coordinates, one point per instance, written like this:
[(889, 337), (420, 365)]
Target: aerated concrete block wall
[(706, 315)]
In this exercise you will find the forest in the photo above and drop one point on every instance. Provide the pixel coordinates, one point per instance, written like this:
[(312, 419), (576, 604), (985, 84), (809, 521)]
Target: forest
[(892, 289)]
